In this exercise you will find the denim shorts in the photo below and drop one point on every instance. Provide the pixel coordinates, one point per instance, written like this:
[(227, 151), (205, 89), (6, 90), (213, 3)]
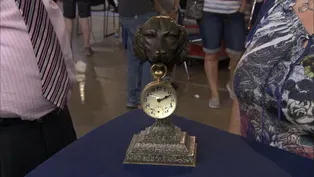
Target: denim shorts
[(229, 28), (69, 8)]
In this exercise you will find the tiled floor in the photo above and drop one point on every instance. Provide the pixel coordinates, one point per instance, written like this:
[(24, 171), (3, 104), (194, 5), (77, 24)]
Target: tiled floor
[(105, 87)]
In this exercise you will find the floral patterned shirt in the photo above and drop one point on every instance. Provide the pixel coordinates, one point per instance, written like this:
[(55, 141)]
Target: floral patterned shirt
[(274, 81)]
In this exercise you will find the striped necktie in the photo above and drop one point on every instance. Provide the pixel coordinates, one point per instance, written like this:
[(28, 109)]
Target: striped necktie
[(47, 49)]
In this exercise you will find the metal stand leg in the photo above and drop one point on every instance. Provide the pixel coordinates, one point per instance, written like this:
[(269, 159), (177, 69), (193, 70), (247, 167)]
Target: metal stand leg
[(186, 70), (106, 22), (173, 74), (77, 27)]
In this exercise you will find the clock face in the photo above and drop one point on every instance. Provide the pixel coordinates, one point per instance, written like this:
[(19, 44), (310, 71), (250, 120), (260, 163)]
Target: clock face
[(159, 101)]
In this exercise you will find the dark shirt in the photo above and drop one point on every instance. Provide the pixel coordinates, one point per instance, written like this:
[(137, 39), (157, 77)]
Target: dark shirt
[(131, 8)]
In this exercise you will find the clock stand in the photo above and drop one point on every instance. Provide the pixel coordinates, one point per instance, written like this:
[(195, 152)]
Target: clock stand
[(162, 143)]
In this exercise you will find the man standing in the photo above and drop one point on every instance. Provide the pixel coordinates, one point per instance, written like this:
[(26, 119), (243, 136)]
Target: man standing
[(223, 20), (36, 74), (134, 13)]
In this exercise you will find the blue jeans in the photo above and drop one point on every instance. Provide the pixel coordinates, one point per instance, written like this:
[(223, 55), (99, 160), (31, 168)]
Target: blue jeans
[(229, 28), (138, 72)]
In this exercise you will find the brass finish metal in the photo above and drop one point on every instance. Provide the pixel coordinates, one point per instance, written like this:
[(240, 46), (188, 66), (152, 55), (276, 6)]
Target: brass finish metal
[(158, 71), (161, 143)]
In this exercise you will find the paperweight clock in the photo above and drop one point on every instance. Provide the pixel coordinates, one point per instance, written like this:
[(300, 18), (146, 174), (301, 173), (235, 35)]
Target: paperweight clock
[(159, 98), (162, 143)]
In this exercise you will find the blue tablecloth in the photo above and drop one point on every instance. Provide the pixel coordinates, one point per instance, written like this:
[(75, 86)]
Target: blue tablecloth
[(101, 152)]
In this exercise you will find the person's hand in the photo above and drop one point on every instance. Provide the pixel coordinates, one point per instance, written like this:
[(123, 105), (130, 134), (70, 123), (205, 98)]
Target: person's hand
[(176, 8), (163, 13), (243, 7)]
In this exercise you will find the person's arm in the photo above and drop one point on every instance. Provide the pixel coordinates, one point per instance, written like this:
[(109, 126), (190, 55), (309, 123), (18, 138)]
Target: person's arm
[(243, 6), (234, 126), (159, 9), (175, 9), (176, 5)]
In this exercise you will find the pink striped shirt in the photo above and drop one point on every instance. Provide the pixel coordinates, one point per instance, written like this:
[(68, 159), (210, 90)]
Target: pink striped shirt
[(20, 83)]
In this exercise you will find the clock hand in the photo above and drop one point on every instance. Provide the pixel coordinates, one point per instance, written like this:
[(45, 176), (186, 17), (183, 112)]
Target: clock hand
[(160, 99)]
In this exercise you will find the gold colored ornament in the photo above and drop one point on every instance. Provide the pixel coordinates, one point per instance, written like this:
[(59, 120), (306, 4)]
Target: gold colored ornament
[(161, 143), (158, 98)]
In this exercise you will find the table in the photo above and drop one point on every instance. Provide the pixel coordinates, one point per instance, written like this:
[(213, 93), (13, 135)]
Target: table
[(101, 152)]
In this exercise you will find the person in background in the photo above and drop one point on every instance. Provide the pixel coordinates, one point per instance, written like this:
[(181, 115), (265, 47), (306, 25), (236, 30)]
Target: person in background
[(223, 20), (274, 80), (84, 11), (36, 74), (132, 15), (168, 7)]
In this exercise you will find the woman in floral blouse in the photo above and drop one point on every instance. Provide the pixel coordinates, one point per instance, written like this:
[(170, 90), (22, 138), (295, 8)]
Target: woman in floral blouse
[(274, 81)]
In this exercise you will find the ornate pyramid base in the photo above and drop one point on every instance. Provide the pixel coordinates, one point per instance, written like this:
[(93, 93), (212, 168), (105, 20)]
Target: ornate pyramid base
[(162, 144)]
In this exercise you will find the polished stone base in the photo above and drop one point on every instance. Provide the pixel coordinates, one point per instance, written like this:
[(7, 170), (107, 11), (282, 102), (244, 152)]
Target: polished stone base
[(162, 144)]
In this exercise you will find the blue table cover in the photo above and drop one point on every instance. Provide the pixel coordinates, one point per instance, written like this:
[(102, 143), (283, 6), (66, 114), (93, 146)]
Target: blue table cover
[(101, 152)]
